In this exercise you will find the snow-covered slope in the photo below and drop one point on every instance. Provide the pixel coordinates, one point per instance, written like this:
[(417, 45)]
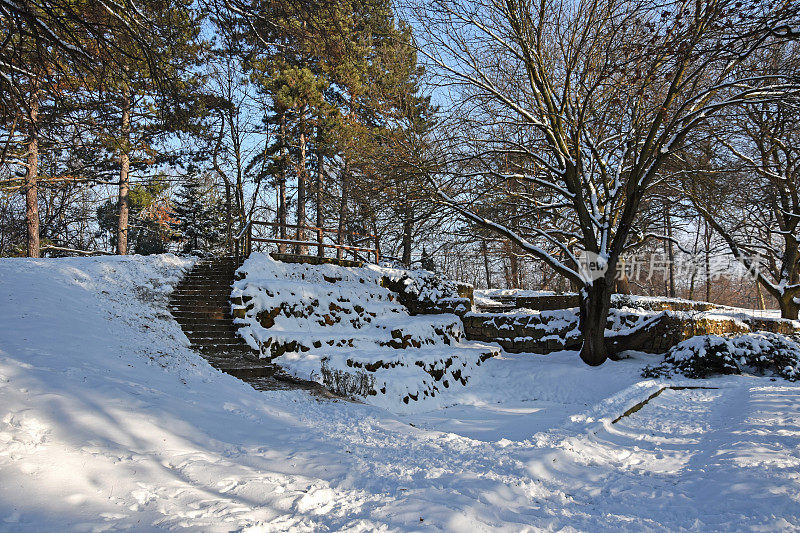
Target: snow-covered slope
[(109, 422)]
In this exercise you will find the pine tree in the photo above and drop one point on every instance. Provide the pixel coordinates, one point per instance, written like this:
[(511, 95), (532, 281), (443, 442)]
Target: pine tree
[(150, 95), (149, 218), (198, 216)]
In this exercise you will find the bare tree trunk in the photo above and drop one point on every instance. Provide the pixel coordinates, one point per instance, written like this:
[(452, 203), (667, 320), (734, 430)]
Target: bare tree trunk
[(408, 228), (238, 187), (789, 309), (301, 196), (31, 176), (708, 262), (592, 321), (227, 184), (282, 186), (694, 264), (513, 262), (670, 253), (228, 217), (124, 178), (486, 267)]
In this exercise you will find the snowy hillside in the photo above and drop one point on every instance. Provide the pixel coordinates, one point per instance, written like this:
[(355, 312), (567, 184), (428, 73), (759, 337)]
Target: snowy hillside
[(108, 421)]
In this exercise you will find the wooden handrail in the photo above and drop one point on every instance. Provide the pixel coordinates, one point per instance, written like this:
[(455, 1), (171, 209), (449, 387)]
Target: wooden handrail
[(243, 241), (245, 228), (309, 228)]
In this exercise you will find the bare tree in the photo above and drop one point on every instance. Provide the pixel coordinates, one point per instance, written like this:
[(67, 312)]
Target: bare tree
[(756, 208), (588, 98)]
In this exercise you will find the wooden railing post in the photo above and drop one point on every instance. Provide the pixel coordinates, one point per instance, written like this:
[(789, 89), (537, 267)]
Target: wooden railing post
[(249, 239), (377, 250)]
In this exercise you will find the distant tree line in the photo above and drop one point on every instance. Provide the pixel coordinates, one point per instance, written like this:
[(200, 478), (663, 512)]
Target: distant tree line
[(142, 126)]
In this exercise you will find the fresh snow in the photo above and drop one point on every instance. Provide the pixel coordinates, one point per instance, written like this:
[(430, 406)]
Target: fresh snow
[(108, 421)]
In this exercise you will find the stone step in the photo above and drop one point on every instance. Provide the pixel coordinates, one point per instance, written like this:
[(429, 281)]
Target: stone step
[(269, 383), (218, 341), (249, 373), (210, 292), (224, 350), (211, 272), (209, 333), (203, 286), (228, 338), (281, 381), (193, 317), (233, 354), (199, 300), (207, 282), (201, 291), (179, 314), (227, 353), (195, 320), (210, 326), (192, 297), (199, 305), (213, 313)]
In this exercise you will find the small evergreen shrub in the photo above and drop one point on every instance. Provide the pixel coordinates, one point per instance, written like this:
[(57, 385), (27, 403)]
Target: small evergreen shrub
[(707, 355)]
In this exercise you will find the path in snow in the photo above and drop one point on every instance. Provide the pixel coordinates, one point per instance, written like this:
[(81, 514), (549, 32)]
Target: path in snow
[(698, 459)]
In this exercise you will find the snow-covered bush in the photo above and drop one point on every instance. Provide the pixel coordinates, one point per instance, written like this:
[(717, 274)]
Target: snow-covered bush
[(706, 355), (421, 291)]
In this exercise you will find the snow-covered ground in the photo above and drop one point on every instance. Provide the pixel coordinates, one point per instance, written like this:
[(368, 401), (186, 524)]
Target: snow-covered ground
[(108, 421)]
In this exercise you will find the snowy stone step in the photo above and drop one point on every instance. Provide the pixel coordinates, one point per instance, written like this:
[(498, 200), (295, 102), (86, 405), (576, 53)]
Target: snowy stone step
[(218, 342)]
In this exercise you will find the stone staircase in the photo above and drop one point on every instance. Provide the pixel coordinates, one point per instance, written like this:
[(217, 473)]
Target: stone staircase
[(200, 304)]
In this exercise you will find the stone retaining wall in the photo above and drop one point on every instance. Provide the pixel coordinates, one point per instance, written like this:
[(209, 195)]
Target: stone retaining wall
[(550, 331), (540, 333)]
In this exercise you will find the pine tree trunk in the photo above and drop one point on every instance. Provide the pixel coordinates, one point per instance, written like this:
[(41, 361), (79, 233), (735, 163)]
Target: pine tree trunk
[(31, 176), (301, 196), (595, 303), (408, 228), (282, 186), (319, 187), (343, 210), (124, 178)]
